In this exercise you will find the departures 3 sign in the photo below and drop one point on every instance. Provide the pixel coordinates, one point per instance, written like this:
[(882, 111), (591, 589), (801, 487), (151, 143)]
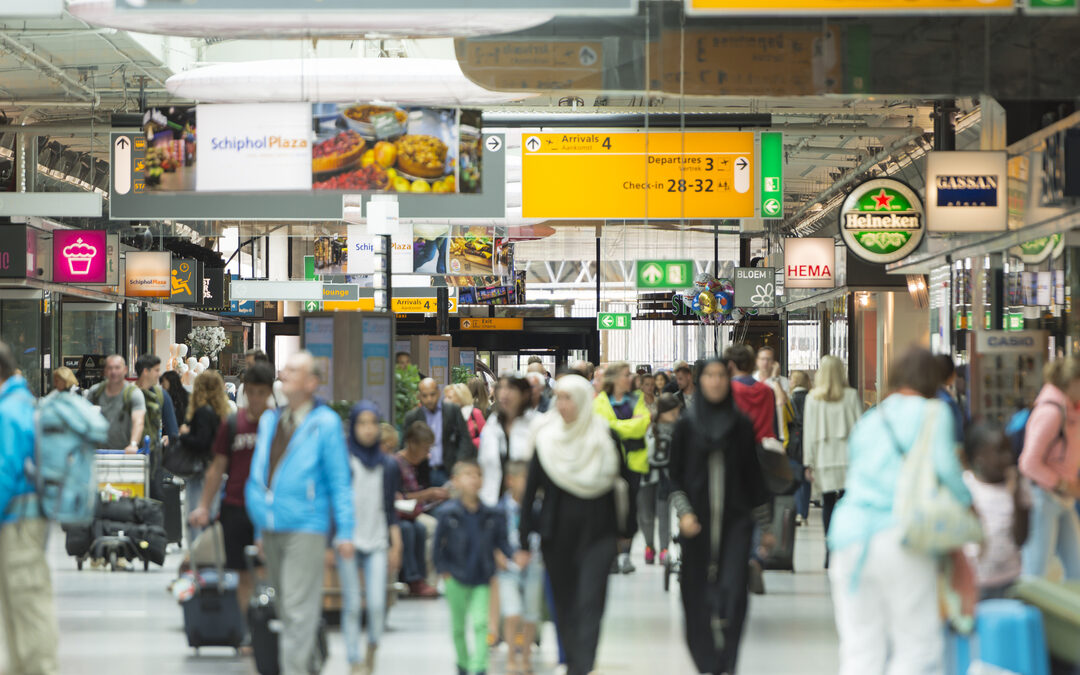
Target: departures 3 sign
[(882, 221)]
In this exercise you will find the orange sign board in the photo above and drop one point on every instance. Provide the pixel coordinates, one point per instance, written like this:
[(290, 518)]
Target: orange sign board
[(741, 62), (492, 324), (361, 305), (421, 306), (665, 174), (533, 64), (848, 6)]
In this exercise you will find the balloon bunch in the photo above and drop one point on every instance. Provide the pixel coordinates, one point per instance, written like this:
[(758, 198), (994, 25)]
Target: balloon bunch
[(188, 366), (710, 298)]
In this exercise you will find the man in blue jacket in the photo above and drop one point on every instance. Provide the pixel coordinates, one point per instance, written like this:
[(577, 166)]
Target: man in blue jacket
[(26, 598), (299, 478)]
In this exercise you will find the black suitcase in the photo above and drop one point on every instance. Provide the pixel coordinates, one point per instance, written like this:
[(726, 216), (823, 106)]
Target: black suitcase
[(78, 539), (212, 616), (262, 620), (782, 557), (168, 489)]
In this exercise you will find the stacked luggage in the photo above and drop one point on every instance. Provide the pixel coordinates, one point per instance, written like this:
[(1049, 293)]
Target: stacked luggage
[(128, 528)]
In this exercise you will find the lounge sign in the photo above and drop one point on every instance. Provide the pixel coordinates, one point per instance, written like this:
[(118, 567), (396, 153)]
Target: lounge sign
[(881, 221), (966, 191)]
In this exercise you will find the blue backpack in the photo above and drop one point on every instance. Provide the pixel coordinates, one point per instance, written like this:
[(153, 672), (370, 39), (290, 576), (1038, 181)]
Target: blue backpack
[(69, 431), (1016, 428)]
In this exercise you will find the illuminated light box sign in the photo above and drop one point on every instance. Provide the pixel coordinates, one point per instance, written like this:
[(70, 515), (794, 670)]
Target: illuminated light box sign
[(967, 191), (881, 221), (148, 274), (840, 7), (584, 173), (299, 161), (809, 262), (80, 256), (352, 7)]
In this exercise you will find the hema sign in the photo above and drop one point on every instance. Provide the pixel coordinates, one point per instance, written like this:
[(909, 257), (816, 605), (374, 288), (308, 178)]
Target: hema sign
[(967, 191), (809, 262)]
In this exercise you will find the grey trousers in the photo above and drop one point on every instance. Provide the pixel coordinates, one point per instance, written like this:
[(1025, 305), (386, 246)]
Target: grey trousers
[(653, 512), (294, 563)]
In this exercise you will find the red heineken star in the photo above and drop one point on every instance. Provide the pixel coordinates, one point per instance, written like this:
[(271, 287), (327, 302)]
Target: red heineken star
[(883, 200)]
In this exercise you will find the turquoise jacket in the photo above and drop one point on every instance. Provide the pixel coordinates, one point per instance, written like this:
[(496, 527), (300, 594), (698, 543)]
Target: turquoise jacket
[(874, 464), (312, 481), (16, 445)]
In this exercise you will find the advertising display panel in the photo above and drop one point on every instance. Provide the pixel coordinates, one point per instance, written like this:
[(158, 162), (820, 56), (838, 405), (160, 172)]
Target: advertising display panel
[(148, 274)]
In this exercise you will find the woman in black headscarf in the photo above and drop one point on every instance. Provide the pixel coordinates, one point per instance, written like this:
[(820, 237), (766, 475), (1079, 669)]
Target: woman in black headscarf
[(717, 491)]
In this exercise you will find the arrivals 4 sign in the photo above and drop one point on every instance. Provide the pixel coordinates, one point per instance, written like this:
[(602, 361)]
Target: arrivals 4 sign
[(881, 221)]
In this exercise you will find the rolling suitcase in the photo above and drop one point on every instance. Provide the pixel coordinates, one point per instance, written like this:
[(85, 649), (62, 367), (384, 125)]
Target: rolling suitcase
[(1008, 637), (212, 616), (262, 619), (782, 557), (169, 488)]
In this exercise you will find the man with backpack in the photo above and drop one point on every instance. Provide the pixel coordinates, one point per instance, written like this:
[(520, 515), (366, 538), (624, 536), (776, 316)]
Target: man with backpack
[(26, 599), (122, 404)]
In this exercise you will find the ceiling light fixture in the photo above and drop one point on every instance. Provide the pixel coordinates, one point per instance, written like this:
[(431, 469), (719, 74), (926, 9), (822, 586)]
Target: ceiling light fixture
[(403, 81)]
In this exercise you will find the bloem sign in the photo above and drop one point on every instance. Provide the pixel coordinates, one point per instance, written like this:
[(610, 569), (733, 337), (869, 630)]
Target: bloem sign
[(881, 221)]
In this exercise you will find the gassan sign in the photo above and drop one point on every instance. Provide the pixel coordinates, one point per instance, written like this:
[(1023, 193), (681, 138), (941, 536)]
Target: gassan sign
[(881, 221)]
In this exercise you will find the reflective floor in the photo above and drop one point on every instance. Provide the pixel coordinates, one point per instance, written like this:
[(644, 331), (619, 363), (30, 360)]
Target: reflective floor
[(126, 622)]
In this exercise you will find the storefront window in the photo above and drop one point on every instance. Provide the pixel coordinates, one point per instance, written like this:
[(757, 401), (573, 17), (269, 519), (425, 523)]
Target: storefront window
[(20, 328), (88, 328)]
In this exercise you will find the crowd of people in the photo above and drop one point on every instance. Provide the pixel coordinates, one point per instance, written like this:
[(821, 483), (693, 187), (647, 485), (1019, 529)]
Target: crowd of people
[(517, 504)]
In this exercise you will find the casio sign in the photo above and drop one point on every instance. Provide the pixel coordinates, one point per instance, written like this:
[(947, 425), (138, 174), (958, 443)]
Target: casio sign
[(1010, 341)]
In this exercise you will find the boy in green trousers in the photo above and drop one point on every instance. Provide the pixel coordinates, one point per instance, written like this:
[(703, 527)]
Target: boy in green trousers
[(464, 555)]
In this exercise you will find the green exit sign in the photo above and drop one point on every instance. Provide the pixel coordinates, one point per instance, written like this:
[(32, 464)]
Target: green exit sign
[(665, 273), (1052, 6), (612, 321)]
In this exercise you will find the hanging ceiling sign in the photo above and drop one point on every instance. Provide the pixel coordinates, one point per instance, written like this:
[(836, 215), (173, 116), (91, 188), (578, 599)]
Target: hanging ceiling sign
[(755, 287), (398, 6), (148, 274), (184, 283), (840, 7), (585, 173), (881, 221), (80, 257), (967, 191), (809, 262)]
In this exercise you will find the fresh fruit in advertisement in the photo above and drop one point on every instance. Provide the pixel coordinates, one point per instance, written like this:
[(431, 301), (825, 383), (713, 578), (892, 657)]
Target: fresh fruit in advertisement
[(385, 154), (401, 184), (420, 186), (338, 152), (365, 179), (368, 159), (440, 187), (421, 156)]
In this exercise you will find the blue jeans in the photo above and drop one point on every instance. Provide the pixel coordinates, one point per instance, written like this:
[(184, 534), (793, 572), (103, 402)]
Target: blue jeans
[(802, 499), (374, 566), (414, 545), (1055, 529), (193, 494)]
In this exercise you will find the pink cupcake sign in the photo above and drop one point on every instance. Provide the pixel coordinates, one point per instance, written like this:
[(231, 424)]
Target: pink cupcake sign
[(79, 256)]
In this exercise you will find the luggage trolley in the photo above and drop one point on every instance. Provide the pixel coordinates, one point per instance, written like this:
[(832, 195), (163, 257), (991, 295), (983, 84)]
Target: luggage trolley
[(123, 475)]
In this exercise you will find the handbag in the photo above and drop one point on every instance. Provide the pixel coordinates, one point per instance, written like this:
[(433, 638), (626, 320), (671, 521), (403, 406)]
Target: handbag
[(930, 518), (178, 461), (775, 467)]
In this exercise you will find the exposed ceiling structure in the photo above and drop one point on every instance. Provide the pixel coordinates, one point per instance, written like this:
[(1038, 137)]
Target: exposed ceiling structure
[(67, 78)]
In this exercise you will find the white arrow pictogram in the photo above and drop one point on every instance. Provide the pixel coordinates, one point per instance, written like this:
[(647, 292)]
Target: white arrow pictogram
[(652, 274)]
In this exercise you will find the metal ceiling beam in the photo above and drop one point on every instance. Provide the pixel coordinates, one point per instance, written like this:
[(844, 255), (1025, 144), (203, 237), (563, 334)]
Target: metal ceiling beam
[(47, 68), (851, 176)]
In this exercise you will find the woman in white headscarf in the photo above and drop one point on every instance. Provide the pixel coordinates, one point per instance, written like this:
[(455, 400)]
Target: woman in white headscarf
[(579, 469)]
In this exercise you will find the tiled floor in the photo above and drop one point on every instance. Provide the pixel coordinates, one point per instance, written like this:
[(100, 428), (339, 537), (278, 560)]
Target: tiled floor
[(125, 622)]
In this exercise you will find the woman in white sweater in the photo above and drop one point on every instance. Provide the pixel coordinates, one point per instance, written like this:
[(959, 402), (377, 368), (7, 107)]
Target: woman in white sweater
[(832, 408)]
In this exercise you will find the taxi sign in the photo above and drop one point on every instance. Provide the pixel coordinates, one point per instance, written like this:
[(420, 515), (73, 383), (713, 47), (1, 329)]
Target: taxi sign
[(839, 7), (584, 173), (421, 306), (492, 324)]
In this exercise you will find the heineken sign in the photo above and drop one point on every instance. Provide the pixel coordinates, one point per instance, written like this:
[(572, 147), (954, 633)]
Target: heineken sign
[(882, 221)]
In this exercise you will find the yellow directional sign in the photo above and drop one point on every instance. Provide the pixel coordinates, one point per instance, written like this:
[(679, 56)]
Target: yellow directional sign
[(492, 324), (421, 306), (848, 6), (666, 174)]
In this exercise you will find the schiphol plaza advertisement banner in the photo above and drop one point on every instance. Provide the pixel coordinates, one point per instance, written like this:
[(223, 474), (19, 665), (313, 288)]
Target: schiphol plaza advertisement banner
[(296, 161)]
